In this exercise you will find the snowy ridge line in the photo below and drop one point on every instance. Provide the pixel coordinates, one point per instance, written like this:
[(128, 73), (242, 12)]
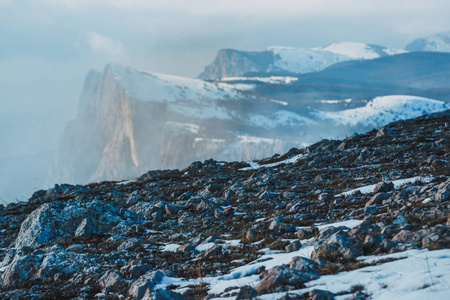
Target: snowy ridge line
[(306, 60), (157, 87), (397, 183), (270, 79)]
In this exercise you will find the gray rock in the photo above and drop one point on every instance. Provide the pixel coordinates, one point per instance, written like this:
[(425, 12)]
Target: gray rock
[(307, 233), (404, 236), (146, 281), (370, 210), (21, 269), (60, 221), (401, 220), (377, 199), (161, 294), (247, 292), (383, 187), (305, 265), (321, 295), (294, 246), (113, 280), (336, 246), (215, 250), (280, 227), (129, 244), (443, 194), (186, 248), (278, 278)]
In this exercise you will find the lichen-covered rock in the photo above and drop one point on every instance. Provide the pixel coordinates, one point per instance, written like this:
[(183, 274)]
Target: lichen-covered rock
[(21, 269), (58, 221)]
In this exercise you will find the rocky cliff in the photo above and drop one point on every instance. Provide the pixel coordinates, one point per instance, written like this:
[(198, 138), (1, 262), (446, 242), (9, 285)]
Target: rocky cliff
[(362, 218)]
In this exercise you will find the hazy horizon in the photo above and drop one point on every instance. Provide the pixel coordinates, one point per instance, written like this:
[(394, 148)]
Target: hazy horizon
[(48, 46)]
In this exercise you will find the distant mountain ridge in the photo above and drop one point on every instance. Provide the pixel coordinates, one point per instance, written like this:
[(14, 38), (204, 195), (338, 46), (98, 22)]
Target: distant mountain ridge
[(436, 43), (233, 63)]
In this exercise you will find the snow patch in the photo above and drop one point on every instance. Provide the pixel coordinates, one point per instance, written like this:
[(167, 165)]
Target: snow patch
[(255, 165), (397, 183)]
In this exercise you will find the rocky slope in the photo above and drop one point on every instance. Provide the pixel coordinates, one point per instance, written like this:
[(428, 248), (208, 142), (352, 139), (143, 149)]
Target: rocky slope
[(234, 63), (286, 227), (435, 43)]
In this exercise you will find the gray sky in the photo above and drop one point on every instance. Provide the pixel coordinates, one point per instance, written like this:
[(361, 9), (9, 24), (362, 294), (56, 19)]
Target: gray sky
[(47, 46)]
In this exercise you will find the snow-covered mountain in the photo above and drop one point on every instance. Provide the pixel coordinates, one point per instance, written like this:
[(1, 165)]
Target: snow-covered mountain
[(436, 43), (131, 121), (233, 63), (383, 110)]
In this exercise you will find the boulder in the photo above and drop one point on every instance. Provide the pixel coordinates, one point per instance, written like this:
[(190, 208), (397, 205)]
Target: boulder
[(143, 283), (279, 278)]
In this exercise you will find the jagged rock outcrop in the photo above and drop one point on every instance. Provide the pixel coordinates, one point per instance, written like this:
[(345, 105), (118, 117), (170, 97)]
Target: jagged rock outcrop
[(234, 63)]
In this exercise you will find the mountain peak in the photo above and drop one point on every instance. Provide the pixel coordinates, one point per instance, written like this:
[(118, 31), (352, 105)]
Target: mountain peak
[(436, 43)]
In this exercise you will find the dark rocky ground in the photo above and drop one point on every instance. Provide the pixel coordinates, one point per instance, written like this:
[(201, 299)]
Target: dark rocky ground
[(76, 241)]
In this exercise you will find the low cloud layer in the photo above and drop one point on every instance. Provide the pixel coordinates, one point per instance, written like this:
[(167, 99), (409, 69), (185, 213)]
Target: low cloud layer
[(106, 46)]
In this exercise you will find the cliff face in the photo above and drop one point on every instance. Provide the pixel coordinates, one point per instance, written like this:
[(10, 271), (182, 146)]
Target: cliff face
[(103, 142), (122, 131), (233, 63)]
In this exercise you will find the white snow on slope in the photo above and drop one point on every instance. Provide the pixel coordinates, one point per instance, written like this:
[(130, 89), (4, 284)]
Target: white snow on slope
[(297, 60), (255, 165), (145, 86), (397, 183), (301, 60), (421, 275), (418, 274), (358, 50), (383, 110), (270, 79), (348, 223)]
